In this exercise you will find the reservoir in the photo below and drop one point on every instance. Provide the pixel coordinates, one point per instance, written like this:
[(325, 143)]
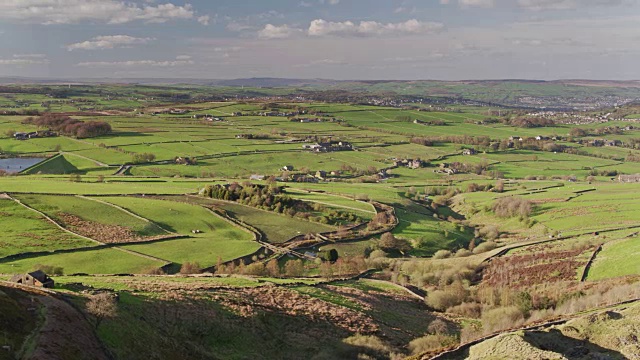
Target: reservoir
[(14, 165)]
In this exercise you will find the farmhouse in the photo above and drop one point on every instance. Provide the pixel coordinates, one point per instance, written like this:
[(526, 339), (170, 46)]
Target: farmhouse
[(469, 152), (35, 278), (329, 146), (629, 178)]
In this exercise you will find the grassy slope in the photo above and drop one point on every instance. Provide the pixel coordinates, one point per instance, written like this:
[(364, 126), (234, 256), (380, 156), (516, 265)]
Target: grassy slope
[(89, 210), (26, 231), (218, 238)]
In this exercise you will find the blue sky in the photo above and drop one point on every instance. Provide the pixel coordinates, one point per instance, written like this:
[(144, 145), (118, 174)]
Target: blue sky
[(333, 39)]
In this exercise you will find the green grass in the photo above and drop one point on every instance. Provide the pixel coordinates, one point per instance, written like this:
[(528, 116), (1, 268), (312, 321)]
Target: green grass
[(218, 239), (276, 227), (89, 210), (24, 230), (618, 258), (103, 261)]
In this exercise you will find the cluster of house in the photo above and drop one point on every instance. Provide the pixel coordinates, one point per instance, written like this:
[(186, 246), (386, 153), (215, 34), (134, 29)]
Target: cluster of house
[(629, 178), (446, 168), (207, 117), (600, 142), (410, 163), (319, 175), (34, 134), (573, 119), (311, 120), (186, 160), (330, 146), (281, 113), (170, 111)]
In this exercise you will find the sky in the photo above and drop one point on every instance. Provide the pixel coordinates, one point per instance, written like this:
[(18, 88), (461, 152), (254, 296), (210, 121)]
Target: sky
[(328, 39)]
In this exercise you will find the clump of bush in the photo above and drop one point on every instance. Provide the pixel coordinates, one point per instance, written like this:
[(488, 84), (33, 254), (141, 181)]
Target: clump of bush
[(512, 206), (190, 268), (484, 247), (72, 127), (442, 254), (50, 269)]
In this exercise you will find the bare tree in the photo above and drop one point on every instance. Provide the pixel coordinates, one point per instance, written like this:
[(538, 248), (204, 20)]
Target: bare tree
[(102, 306)]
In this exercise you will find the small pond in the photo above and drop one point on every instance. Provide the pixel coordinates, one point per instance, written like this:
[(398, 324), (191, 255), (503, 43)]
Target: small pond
[(14, 165)]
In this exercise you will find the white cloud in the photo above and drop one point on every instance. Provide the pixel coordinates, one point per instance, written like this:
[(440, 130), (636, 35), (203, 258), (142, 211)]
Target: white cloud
[(25, 59), (321, 27), (330, 2), (277, 32), (136, 63), (183, 57), (204, 20), (74, 11), (30, 56), (477, 3), (542, 5), (109, 42)]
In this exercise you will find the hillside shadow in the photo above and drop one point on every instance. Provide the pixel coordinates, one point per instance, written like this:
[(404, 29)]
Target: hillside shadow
[(572, 349)]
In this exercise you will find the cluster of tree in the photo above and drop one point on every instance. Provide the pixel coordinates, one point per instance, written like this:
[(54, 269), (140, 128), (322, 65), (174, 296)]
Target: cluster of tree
[(27, 112), (139, 158), (422, 141), (50, 269), (478, 168), (607, 130), (512, 206), (268, 197), (524, 122), (71, 127), (389, 243), (596, 172)]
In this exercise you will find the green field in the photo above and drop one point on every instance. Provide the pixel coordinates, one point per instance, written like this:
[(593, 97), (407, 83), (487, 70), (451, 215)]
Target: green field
[(26, 231), (104, 261), (90, 210), (618, 258), (218, 238)]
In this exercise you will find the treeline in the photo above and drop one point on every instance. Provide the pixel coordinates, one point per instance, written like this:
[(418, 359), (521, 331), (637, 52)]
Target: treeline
[(272, 198), (531, 122), (70, 127)]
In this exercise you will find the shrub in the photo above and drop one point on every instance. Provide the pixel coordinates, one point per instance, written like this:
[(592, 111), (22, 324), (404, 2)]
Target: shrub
[(294, 268), (442, 254), (512, 206), (50, 269), (484, 247), (190, 268), (501, 318), (431, 343), (470, 310), (463, 253), (452, 295)]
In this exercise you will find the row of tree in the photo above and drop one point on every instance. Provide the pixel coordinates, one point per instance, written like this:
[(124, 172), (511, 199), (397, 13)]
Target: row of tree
[(69, 126)]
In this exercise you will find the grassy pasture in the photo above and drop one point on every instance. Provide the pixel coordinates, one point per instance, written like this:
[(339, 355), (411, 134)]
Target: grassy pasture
[(617, 258), (218, 239), (103, 261), (26, 231), (89, 210)]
